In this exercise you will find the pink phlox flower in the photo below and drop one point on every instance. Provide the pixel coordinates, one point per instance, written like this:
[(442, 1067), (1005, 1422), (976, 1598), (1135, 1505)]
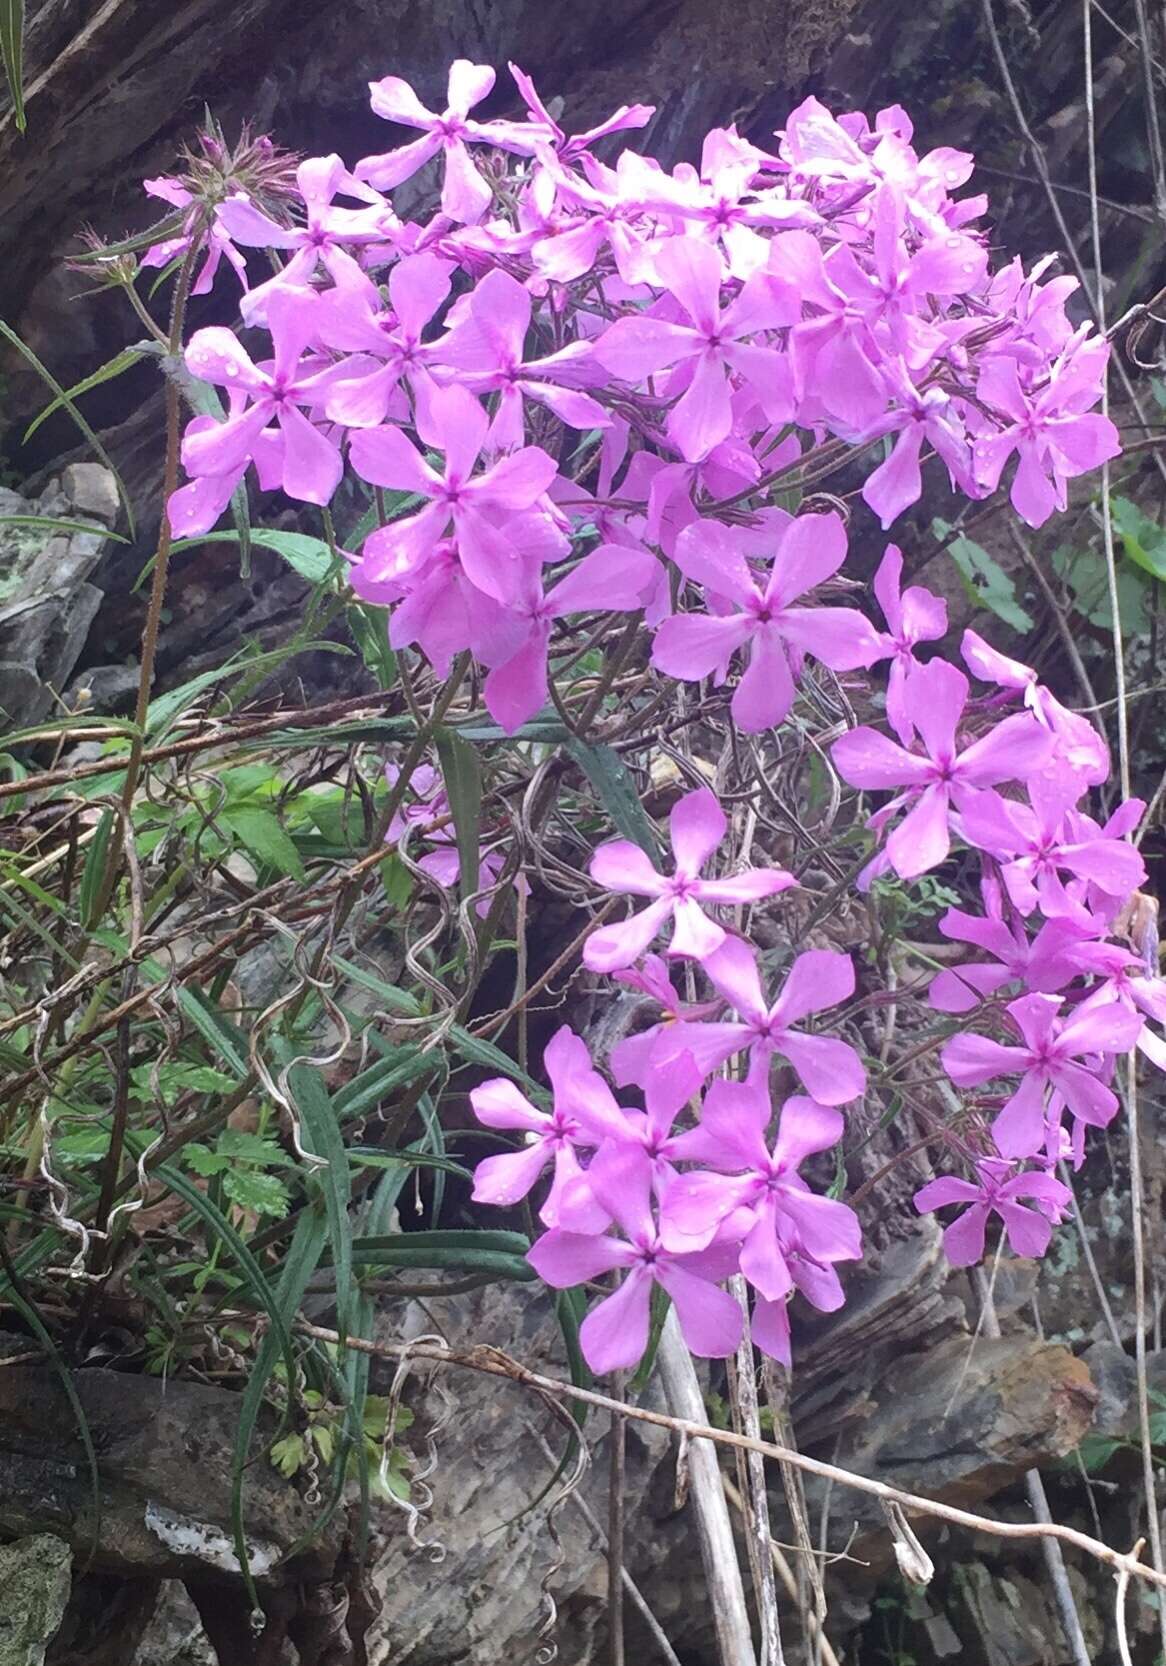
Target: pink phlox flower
[(218, 243), (1079, 747), (485, 354), (805, 553), (567, 149), (913, 615), (722, 201), (442, 612), (945, 774), (759, 1189), (1051, 428), (708, 343), (1038, 327), (645, 1140), (997, 1192), (465, 193), (918, 416), (1044, 963), (1124, 978), (583, 1115), (698, 826), (1064, 1055), (326, 238), (353, 319), (612, 577), (631, 1059), (453, 422), (1034, 843), (611, 214), (834, 355), (614, 1334), (829, 1068), (311, 465)]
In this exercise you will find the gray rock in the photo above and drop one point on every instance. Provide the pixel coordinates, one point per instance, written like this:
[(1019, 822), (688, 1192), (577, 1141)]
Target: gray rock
[(35, 1579), (47, 603), (165, 1466)]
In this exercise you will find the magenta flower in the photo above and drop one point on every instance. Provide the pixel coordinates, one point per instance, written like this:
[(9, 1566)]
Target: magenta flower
[(465, 194), (920, 416), (1051, 428), (327, 236), (1044, 964), (711, 343), (913, 615), (353, 320), (644, 1141), (486, 350), (771, 1206), (568, 149), (1027, 1230), (1034, 845), (311, 465), (613, 577), (584, 1114), (946, 775), (1126, 979), (1078, 747), (830, 1070), (615, 1333), (698, 826), (218, 244), (452, 421), (805, 553), (631, 1058), (1050, 1057)]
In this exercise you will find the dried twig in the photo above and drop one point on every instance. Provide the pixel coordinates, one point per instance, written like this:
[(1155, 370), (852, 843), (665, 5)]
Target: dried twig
[(494, 1363)]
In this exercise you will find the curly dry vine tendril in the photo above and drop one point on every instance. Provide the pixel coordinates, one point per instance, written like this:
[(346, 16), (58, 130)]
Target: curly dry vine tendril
[(434, 1549), (278, 1088)]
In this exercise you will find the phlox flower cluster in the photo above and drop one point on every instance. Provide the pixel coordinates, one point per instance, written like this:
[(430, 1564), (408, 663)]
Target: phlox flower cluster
[(680, 338), (574, 389)]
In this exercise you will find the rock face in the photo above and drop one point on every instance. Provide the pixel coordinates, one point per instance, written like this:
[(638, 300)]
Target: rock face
[(47, 603), (35, 1576), (165, 1463)]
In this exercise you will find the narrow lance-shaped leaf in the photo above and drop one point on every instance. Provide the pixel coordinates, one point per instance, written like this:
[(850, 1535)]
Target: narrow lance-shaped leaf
[(462, 773)]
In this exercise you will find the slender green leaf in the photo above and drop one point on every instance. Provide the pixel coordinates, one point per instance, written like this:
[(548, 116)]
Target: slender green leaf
[(1143, 540), (545, 726), (616, 791), (303, 1257), (570, 1310), (50, 380), (365, 1157), (499, 1254), (402, 1253), (225, 1040), (461, 772), (310, 557), (366, 1092), (170, 705), (263, 835), (985, 581), (398, 1000), (476, 1050), (54, 523), (93, 873), (12, 55), (321, 1132), (106, 373)]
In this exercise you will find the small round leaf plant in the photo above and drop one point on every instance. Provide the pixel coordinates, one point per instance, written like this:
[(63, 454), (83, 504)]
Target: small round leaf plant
[(581, 389)]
